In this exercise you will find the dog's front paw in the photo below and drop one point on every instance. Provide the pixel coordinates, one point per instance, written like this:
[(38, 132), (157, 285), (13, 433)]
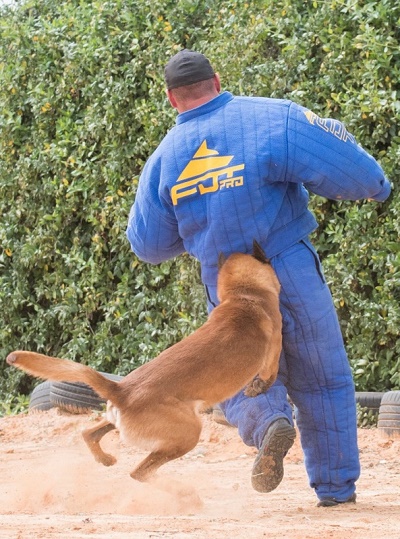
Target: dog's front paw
[(256, 387)]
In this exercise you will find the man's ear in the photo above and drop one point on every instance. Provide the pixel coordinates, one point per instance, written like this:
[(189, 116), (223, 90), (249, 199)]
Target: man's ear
[(221, 260), (171, 99), (258, 253), (217, 82)]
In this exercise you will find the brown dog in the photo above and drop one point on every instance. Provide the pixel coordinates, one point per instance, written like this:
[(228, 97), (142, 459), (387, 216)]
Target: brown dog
[(157, 405)]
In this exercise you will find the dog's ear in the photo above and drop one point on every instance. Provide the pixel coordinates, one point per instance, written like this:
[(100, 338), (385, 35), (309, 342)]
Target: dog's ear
[(221, 260), (258, 253)]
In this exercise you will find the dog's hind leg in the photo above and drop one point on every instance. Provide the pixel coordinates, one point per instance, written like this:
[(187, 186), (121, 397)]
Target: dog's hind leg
[(179, 438), (92, 437)]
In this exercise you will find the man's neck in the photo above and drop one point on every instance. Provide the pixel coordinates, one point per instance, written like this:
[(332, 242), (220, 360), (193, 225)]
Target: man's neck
[(194, 103)]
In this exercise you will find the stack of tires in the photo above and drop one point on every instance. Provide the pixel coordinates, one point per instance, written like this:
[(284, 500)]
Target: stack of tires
[(389, 415)]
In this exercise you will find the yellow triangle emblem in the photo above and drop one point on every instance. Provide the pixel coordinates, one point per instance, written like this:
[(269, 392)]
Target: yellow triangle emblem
[(204, 160), (203, 151)]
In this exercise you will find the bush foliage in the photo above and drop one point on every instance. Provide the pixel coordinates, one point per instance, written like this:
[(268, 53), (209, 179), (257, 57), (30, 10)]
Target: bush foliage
[(82, 106)]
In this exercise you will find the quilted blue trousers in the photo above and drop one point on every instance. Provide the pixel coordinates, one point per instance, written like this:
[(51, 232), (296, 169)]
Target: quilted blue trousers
[(314, 372)]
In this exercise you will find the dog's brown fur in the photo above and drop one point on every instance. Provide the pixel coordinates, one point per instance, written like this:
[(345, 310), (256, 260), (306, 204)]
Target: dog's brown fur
[(158, 404)]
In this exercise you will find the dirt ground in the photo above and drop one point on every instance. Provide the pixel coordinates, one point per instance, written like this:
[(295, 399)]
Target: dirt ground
[(51, 487)]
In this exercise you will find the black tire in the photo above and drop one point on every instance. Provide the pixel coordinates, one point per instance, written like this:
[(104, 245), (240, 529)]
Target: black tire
[(387, 409), (386, 416), (76, 397), (389, 424), (370, 400), (389, 414), (40, 397)]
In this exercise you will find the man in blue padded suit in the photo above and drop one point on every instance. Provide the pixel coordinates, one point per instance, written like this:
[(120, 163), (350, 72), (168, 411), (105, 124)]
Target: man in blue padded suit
[(234, 169)]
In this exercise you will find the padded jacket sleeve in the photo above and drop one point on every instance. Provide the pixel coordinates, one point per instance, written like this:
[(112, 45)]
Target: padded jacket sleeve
[(328, 161)]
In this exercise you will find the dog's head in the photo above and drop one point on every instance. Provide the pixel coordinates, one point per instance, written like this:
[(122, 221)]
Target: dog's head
[(245, 273)]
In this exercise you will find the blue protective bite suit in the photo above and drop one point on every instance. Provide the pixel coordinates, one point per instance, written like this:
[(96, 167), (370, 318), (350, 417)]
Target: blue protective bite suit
[(236, 169)]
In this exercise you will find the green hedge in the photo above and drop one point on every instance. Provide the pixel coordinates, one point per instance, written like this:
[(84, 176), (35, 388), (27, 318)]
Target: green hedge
[(82, 106)]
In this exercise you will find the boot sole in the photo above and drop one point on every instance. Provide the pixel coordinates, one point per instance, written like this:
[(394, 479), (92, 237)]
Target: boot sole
[(268, 467)]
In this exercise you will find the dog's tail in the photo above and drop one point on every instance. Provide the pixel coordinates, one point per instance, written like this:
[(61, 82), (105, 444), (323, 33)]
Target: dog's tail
[(62, 370)]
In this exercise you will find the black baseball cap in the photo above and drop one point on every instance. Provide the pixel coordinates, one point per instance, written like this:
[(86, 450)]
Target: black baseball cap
[(187, 67)]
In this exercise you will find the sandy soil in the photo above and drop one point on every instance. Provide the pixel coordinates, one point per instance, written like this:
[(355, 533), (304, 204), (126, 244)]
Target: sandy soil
[(51, 487)]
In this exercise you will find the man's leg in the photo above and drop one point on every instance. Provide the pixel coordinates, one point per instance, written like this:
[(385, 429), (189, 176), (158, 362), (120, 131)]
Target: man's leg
[(265, 422), (315, 369), (254, 415), (319, 376)]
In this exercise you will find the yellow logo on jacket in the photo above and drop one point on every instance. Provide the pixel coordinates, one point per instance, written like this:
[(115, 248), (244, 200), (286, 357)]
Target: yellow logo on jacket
[(207, 172)]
